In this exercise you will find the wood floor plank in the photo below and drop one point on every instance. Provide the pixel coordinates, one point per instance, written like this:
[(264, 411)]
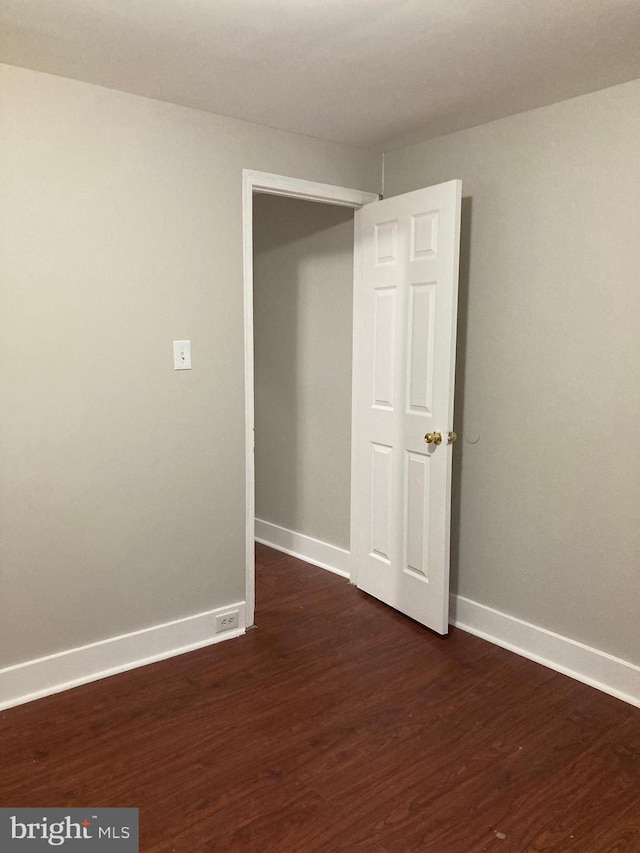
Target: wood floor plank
[(338, 725)]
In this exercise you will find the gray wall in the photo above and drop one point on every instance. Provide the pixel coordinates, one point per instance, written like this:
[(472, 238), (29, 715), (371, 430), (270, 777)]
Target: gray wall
[(122, 489), (303, 281), (548, 499), (122, 493)]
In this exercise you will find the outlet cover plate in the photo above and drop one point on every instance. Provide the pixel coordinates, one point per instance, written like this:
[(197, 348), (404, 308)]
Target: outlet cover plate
[(228, 621)]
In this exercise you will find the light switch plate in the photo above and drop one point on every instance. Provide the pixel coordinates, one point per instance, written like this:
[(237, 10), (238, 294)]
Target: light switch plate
[(182, 355)]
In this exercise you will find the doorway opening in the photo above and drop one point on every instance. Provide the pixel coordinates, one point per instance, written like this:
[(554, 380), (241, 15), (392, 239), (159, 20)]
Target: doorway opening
[(283, 338), (303, 315)]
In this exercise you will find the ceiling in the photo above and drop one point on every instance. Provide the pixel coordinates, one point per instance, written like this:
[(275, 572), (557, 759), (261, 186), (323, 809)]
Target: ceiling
[(369, 73)]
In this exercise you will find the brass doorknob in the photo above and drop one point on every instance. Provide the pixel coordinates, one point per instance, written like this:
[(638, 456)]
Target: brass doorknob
[(433, 437)]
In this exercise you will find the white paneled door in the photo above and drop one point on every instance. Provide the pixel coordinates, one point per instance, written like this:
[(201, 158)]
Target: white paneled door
[(405, 310)]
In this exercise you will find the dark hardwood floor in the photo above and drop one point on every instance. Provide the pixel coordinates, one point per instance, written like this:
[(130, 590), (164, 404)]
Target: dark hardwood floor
[(337, 725)]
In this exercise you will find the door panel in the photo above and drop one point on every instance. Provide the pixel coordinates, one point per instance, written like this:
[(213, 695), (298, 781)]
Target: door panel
[(405, 311)]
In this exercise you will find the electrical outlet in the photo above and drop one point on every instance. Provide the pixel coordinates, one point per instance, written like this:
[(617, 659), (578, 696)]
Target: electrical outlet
[(227, 621)]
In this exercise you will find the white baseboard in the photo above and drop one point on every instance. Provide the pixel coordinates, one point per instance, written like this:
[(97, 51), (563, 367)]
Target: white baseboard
[(612, 675), (306, 548), (55, 673)]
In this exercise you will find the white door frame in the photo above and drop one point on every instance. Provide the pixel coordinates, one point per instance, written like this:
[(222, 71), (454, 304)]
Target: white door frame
[(263, 182)]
